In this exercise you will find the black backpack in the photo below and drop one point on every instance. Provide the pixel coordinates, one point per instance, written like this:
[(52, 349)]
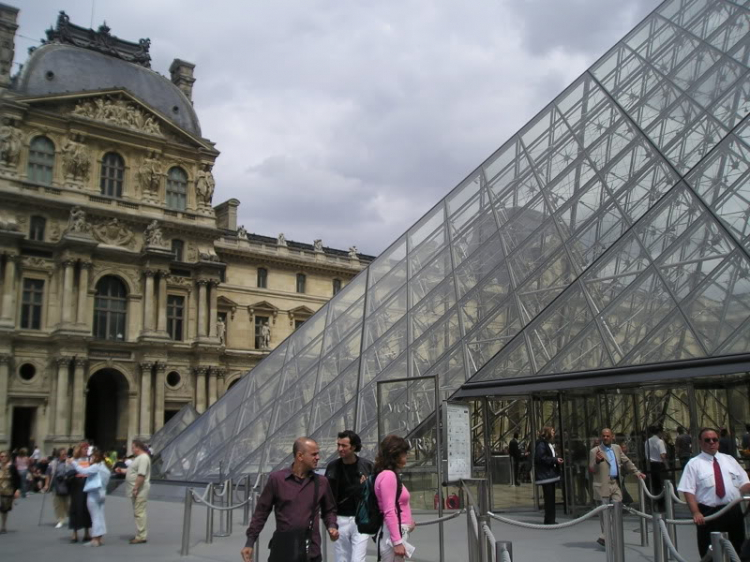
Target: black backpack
[(368, 517)]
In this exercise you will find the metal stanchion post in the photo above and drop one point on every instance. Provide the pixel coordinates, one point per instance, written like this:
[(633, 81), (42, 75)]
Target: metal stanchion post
[(230, 512), (470, 540), (658, 551), (246, 509), (323, 541), (718, 554), (641, 520), (669, 511), (609, 542), (185, 550), (483, 508), (503, 545), (210, 515), (618, 532)]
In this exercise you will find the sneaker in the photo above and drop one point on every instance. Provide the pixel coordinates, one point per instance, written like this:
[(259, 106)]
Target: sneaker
[(601, 541), (138, 541), (59, 525)]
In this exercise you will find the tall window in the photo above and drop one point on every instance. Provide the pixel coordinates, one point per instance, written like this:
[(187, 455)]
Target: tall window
[(175, 316), (301, 281), (178, 249), (110, 309), (36, 228), (113, 172), (31, 305), (336, 286), (262, 278), (177, 189), (41, 160), (259, 337)]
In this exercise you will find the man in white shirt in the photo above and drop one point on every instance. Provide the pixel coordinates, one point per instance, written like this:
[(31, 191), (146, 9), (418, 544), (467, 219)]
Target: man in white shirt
[(710, 481), (656, 456)]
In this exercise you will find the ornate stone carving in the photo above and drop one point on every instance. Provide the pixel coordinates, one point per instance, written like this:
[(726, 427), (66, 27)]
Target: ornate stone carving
[(118, 112), (221, 331), (353, 253), (161, 366), (32, 262), (318, 245), (63, 361), (153, 235), (54, 231), (209, 256), (5, 358), (9, 225), (11, 141), (76, 160), (281, 240), (242, 232), (200, 370), (265, 336), (114, 232), (220, 372), (146, 366), (192, 253), (81, 362), (77, 223), (149, 176), (205, 185)]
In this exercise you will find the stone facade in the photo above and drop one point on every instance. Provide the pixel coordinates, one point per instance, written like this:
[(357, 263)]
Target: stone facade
[(125, 292)]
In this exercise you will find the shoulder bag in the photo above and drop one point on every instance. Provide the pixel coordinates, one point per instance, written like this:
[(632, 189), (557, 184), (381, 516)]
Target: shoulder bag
[(294, 545)]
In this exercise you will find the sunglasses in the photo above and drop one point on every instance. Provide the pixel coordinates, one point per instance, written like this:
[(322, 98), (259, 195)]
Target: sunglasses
[(711, 440)]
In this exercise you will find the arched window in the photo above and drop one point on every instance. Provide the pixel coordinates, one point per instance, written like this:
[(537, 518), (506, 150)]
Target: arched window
[(113, 172), (110, 309), (41, 160), (177, 189), (336, 286), (178, 249), (301, 281), (262, 278), (36, 228)]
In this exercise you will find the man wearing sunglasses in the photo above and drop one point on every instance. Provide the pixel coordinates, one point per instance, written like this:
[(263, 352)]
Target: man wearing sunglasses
[(710, 481)]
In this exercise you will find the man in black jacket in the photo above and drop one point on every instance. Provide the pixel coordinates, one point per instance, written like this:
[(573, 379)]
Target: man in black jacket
[(346, 475)]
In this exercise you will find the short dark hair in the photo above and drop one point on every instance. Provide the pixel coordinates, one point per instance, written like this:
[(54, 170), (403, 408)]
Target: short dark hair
[(353, 438), (680, 429), (704, 430)]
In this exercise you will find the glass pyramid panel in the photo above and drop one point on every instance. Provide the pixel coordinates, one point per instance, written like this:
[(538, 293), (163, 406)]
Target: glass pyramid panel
[(612, 230), (173, 428)]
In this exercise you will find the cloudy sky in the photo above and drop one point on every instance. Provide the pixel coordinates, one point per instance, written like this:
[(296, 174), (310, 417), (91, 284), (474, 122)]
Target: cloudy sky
[(348, 120)]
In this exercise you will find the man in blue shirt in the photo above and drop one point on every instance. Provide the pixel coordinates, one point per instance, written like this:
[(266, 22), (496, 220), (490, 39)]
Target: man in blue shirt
[(607, 462)]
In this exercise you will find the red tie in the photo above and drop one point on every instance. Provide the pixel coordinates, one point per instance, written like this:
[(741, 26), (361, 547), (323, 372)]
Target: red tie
[(718, 479)]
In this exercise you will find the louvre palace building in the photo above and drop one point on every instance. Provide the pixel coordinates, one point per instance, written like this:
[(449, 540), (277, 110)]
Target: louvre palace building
[(127, 292)]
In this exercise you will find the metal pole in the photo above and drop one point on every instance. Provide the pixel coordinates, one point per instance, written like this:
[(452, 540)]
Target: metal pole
[(503, 545), (482, 517), (230, 512), (618, 532), (246, 509), (609, 545), (439, 464), (641, 520), (210, 515), (469, 535), (659, 546), (718, 555), (222, 514), (187, 513), (669, 508)]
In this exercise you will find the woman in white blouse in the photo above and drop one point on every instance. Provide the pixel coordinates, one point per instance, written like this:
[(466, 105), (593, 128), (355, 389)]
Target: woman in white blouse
[(97, 477)]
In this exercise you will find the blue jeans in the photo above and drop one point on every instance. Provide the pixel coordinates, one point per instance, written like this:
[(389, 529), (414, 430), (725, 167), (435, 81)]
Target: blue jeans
[(24, 482)]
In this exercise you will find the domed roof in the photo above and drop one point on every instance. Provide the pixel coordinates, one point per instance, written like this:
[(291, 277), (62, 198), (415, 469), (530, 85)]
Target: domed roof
[(57, 69)]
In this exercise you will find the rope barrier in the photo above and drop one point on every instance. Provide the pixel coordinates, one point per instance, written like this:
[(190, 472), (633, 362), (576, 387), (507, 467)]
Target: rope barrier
[(491, 538), (729, 549), (539, 527), (440, 519), (216, 507), (223, 491), (675, 497), (668, 542), (638, 513), (658, 496), (709, 555), (504, 554), (474, 522)]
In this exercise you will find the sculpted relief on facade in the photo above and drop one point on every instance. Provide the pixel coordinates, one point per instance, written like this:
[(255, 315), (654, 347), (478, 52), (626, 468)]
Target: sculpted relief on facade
[(205, 185), (119, 113), (149, 177), (76, 160), (115, 233), (11, 140)]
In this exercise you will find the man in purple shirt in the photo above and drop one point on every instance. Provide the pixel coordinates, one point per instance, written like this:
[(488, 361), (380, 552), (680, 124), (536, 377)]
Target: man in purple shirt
[(289, 492)]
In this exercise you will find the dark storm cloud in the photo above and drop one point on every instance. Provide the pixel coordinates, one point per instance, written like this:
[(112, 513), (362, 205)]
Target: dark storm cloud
[(347, 121)]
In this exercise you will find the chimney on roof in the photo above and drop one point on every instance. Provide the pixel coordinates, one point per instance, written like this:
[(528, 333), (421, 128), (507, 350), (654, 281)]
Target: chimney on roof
[(182, 76), (8, 27), (226, 214)]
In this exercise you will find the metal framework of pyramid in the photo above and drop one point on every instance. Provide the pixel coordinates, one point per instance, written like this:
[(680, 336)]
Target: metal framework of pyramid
[(176, 425), (612, 230)]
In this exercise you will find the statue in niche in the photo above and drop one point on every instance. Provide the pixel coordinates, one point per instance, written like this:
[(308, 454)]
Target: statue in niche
[(205, 185), (149, 176), (11, 140), (153, 235), (353, 252), (265, 336), (221, 331), (281, 240), (318, 245), (242, 232), (76, 162), (77, 223)]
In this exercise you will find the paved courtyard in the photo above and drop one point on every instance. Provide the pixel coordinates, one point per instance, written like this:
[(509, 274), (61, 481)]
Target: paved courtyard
[(26, 538)]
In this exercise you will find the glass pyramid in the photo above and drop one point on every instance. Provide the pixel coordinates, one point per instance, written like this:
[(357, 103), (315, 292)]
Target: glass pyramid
[(612, 230), (173, 428)]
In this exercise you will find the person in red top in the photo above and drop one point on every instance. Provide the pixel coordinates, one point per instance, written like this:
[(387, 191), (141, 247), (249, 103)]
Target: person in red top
[(289, 492)]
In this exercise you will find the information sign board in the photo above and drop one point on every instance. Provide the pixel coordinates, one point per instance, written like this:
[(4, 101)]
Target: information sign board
[(457, 427)]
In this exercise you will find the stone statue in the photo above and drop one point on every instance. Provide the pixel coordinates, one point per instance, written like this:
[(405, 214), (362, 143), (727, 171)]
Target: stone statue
[(149, 176), (11, 140), (242, 232), (281, 240), (209, 256), (76, 163), (353, 252), (77, 222), (265, 336), (221, 331), (118, 112), (153, 235), (205, 185), (318, 245)]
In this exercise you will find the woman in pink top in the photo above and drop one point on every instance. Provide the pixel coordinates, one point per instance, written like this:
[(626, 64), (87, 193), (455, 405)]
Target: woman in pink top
[(397, 520)]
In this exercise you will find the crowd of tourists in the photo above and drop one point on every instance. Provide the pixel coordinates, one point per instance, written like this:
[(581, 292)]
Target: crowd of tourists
[(78, 479)]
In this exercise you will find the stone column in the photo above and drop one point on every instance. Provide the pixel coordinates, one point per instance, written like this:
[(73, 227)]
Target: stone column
[(61, 409), (212, 311), (82, 315), (79, 412), (200, 389), (8, 314), (159, 396), (5, 360), (202, 283), (213, 374), (66, 300), (148, 301), (221, 383), (161, 324), (145, 430), (132, 417)]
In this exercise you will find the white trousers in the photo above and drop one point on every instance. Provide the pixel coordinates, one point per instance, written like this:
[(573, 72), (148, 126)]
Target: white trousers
[(352, 545), (95, 503), (386, 551)]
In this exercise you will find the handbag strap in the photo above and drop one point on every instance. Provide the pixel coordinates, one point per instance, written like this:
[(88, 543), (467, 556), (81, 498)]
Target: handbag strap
[(315, 502)]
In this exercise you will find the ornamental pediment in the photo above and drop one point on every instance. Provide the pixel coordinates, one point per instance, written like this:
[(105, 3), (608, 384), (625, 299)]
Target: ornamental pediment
[(120, 113)]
